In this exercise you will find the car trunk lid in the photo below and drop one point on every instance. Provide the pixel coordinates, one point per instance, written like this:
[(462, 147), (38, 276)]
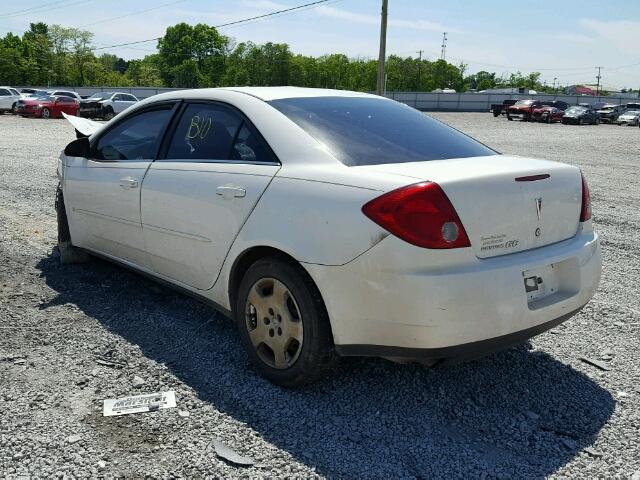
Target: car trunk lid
[(507, 204)]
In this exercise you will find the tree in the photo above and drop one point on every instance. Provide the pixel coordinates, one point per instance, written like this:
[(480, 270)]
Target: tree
[(188, 52)]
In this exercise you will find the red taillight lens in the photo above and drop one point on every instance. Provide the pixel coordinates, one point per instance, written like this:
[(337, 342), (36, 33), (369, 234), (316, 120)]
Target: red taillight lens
[(585, 212), (420, 214)]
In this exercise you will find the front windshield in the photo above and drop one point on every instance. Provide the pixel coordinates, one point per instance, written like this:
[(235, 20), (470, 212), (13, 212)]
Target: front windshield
[(576, 110), (524, 102), (101, 96), (633, 112)]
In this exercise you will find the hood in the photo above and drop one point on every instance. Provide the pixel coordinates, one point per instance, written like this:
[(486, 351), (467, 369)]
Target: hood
[(83, 125), (35, 101)]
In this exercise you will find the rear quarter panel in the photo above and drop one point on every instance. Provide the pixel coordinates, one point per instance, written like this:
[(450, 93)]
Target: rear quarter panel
[(314, 222)]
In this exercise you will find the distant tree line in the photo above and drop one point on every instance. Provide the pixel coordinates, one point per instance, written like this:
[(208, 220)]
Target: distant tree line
[(200, 56)]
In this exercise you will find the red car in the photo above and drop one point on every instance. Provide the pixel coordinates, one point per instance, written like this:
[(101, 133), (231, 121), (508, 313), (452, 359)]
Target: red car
[(549, 112), (522, 109), (48, 107)]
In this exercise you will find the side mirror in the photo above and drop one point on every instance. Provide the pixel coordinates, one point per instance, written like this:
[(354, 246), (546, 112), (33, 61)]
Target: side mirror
[(78, 148)]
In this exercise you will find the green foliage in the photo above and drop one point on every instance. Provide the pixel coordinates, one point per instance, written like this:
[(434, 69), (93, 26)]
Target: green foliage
[(199, 56)]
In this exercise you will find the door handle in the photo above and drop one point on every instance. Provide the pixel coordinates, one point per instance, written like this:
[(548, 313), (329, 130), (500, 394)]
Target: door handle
[(128, 182), (230, 191)]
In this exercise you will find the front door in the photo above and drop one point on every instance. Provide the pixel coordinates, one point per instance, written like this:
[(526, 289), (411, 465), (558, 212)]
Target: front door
[(197, 196), (102, 193)]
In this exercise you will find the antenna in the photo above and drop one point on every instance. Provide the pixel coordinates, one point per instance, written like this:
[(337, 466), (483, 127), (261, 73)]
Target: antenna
[(443, 52)]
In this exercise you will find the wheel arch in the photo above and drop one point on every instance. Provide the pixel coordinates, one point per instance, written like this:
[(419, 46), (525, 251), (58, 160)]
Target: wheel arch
[(251, 255)]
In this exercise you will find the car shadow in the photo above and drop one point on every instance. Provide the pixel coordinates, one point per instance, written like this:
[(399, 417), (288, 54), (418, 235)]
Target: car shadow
[(518, 413)]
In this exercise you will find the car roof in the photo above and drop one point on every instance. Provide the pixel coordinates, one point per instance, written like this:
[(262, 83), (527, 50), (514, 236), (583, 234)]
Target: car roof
[(269, 93)]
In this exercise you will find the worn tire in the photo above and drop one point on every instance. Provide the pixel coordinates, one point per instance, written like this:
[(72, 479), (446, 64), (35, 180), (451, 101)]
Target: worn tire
[(68, 253), (317, 353), (109, 114)]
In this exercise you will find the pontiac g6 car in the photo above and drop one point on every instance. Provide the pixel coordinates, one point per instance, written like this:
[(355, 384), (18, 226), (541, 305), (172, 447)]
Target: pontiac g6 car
[(331, 223)]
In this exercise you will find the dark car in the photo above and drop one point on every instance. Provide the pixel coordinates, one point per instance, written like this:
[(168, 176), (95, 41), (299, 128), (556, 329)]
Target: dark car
[(523, 109), (580, 115), (610, 113), (501, 108)]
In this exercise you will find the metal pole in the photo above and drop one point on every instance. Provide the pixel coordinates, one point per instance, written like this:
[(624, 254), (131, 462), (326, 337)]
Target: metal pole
[(598, 77), (419, 65), (383, 48)]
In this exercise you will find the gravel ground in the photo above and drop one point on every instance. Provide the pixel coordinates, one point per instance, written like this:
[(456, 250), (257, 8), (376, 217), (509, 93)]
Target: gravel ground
[(532, 411)]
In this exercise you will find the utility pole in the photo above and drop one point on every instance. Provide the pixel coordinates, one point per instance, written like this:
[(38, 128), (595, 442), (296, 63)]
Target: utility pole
[(419, 52), (443, 51), (598, 77), (380, 87), (554, 84)]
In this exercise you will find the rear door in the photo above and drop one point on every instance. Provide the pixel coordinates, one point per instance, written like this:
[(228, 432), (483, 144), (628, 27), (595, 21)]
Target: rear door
[(196, 197), (102, 193)]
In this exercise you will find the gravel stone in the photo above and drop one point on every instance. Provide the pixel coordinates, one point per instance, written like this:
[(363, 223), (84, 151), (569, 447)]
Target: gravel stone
[(137, 382), (371, 419)]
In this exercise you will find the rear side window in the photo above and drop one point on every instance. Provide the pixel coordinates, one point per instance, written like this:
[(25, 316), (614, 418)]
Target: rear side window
[(4, 92), (136, 138), (372, 131)]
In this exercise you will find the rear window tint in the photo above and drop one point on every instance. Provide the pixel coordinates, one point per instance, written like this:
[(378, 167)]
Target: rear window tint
[(371, 131)]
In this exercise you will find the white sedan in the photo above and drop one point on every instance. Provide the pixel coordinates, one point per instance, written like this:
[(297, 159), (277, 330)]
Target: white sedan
[(331, 223)]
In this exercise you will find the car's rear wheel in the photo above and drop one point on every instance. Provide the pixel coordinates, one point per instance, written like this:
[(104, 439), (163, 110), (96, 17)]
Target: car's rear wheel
[(46, 113), (14, 108), (283, 323), (68, 253)]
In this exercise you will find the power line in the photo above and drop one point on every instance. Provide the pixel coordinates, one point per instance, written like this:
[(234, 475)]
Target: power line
[(36, 10), (291, 9), (131, 14), (27, 10)]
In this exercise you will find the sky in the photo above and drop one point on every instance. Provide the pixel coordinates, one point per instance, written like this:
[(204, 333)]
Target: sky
[(562, 39)]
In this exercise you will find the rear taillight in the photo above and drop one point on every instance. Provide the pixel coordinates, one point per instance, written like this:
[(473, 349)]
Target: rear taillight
[(420, 214), (585, 211)]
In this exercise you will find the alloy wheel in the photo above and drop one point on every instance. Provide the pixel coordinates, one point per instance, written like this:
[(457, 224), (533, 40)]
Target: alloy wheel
[(46, 113), (274, 323)]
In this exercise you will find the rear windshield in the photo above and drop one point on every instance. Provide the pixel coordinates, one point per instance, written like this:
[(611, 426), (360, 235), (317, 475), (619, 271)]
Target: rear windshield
[(372, 131)]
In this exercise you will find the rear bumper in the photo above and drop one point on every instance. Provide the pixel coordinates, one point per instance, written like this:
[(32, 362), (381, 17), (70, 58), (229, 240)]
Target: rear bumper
[(454, 353), (398, 300)]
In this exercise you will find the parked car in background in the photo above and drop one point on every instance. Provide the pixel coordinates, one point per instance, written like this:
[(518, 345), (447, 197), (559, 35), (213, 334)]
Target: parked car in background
[(610, 113), (32, 91), (106, 105), (630, 117), (48, 107), (549, 112), (523, 109), (9, 99), (501, 108), (632, 106), (65, 93), (579, 115), (330, 223)]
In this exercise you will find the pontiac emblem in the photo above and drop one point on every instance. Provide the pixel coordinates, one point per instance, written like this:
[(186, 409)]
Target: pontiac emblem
[(539, 207)]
